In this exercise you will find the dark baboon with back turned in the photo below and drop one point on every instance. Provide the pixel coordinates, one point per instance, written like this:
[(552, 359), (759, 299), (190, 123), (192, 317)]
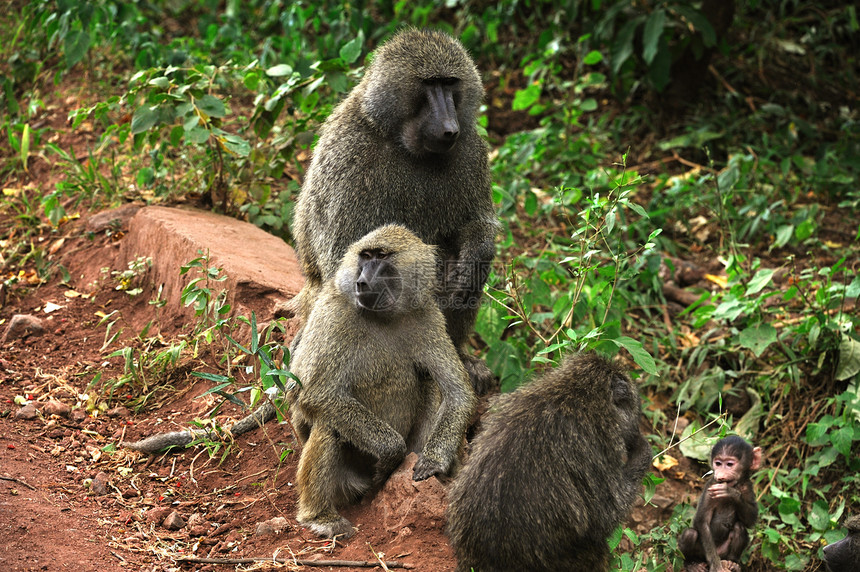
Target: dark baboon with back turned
[(844, 555), (554, 471), (403, 148), (379, 378)]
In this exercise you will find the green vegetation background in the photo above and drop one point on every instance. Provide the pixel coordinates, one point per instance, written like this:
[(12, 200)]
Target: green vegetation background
[(634, 144)]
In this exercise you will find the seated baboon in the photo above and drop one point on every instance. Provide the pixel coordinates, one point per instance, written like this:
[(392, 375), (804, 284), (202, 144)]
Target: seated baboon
[(554, 471), (379, 377)]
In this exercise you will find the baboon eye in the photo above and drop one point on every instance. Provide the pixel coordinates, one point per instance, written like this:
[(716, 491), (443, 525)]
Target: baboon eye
[(446, 81)]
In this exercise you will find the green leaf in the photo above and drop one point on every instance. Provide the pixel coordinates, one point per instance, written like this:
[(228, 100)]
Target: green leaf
[(279, 70), (525, 98), (783, 235), (217, 378), (236, 145), (592, 57), (76, 45), (622, 49), (652, 34), (758, 337), (842, 439), (25, 145), (530, 204), (251, 80), (351, 50), (642, 358), (211, 106), (143, 119), (659, 70), (819, 516), (760, 280), (198, 135), (849, 358), (589, 104), (161, 82)]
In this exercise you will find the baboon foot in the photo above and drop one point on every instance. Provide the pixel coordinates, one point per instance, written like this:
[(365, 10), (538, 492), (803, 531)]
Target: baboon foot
[(480, 376), (329, 527), (729, 566)]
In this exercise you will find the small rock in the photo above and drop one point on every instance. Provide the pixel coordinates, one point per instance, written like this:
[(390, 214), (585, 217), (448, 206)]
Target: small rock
[(54, 407), (119, 411), (27, 412), (271, 526), (173, 521), (118, 216), (100, 483), (78, 415), (130, 494), (21, 326), (156, 514), (662, 502), (199, 530)]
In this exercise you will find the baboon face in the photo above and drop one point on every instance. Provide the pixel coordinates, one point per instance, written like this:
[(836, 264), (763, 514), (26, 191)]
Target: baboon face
[(379, 285), (434, 128), (423, 89)]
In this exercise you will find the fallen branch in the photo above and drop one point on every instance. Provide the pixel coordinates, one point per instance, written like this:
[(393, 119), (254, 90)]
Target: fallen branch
[(352, 563), (19, 481)]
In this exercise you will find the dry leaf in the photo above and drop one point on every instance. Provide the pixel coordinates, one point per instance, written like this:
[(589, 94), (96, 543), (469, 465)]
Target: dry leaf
[(51, 307), (721, 281), (664, 462)]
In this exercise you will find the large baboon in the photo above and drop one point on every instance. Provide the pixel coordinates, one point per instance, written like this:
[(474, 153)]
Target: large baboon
[(554, 471), (379, 377), (403, 148)]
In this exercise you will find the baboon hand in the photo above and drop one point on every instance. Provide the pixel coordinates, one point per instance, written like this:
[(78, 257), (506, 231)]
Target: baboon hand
[(426, 468)]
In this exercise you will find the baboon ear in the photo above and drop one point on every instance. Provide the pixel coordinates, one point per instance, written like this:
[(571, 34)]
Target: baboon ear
[(755, 464)]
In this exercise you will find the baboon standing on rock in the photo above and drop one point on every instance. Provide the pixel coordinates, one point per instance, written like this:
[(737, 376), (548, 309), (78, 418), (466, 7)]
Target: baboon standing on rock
[(554, 471), (402, 148), (379, 377)]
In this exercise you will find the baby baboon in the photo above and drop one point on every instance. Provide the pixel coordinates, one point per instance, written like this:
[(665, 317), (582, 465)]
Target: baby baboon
[(726, 509), (403, 148), (379, 377), (844, 555), (554, 471)]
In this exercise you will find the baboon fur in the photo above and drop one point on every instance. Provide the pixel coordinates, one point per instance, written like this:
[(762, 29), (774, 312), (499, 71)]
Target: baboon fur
[(554, 471), (372, 166), (361, 404), (844, 555)]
